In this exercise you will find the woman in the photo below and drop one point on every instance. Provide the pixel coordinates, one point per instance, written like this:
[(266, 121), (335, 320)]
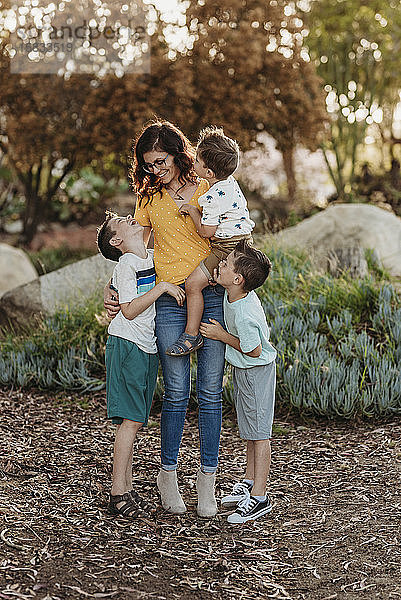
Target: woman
[(162, 175)]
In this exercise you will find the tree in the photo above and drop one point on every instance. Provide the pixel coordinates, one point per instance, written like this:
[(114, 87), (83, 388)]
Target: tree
[(51, 124), (244, 70), (249, 74), (355, 47)]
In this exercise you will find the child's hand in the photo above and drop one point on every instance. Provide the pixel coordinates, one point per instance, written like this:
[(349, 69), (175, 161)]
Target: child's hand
[(110, 302), (213, 280), (175, 291), (212, 330), (184, 209)]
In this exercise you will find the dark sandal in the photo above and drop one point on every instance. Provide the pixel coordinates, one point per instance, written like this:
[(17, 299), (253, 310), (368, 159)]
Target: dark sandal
[(179, 348), (131, 508), (142, 504)]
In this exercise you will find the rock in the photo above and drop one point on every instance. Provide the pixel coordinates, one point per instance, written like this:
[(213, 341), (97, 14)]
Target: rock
[(15, 268), (348, 226), (21, 305), (63, 288), (350, 259)]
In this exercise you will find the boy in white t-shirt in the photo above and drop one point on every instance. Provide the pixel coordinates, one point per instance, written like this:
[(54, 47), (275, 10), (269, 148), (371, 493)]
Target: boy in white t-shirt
[(131, 353), (224, 220)]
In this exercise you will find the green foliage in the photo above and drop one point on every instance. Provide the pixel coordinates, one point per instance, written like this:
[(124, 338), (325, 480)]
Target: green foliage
[(50, 259), (338, 340), (65, 352), (83, 191), (354, 46), (338, 343), (11, 201)]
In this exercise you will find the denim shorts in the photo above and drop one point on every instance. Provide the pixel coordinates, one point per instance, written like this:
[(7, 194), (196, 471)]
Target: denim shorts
[(254, 392), (131, 376)]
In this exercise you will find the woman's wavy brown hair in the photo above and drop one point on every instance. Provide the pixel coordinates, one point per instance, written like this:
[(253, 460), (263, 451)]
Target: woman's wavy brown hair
[(164, 137)]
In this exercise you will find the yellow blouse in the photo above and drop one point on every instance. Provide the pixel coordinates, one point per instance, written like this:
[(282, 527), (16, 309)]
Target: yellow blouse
[(178, 247)]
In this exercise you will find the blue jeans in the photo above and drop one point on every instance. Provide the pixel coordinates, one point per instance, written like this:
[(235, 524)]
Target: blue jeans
[(170, 323)]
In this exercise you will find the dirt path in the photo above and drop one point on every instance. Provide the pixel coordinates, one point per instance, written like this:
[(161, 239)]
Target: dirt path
[(334, 532)]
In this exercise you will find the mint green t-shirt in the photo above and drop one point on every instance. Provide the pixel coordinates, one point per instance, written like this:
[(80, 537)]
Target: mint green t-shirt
[(246, 320)]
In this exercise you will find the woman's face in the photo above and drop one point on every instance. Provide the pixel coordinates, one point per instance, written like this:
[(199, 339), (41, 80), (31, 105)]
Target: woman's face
[(162, 164)]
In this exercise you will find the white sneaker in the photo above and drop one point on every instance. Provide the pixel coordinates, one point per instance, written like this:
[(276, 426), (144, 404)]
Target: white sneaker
[(239, 492), (250, 509)]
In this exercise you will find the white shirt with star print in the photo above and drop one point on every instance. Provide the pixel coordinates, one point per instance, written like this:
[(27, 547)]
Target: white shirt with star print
[(224, 205)]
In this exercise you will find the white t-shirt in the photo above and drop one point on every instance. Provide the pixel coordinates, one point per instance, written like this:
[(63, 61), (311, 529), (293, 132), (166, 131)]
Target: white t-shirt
[(224, 205), (132, 277)]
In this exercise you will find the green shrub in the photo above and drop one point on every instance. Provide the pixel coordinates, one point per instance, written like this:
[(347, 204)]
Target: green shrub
[(66, 351), (82, 192), (338, 340), (338, 343)]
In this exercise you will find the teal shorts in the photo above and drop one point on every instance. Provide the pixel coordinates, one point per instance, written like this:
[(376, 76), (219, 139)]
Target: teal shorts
[(131, 376)]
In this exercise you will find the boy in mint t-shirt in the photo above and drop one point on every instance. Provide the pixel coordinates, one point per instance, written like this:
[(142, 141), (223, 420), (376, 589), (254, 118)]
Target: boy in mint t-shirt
[(252, 357)]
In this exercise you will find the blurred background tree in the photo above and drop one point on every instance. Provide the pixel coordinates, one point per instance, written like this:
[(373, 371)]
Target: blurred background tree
[(239, 66), (250, 77), (307, 73), (355, 47)]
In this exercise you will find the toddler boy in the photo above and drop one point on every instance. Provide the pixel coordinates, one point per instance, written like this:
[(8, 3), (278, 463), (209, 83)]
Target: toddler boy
[(224, 220), (252, 357)]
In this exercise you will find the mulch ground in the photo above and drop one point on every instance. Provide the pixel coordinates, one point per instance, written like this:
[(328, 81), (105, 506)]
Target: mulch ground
[(334, 532)]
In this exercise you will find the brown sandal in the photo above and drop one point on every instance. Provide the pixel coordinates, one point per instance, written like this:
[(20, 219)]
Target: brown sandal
[(132, 507)]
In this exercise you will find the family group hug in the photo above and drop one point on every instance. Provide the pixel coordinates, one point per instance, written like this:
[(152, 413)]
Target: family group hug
[(193, 293)]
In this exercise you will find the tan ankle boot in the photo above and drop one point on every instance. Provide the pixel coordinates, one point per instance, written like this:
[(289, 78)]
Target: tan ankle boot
[(207, 505), (170, 495)]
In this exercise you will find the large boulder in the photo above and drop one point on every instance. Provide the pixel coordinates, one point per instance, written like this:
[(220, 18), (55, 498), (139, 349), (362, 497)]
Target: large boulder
[(15, 268), (348, 226), (64, 288)]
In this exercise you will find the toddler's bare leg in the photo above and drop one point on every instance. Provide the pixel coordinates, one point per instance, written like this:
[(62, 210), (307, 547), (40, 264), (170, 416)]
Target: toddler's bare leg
[(194, 285)]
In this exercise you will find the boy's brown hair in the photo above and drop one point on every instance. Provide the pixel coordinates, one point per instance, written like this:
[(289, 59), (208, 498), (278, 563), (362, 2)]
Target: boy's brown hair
[(252, 264), (219, 153), (104, 235)]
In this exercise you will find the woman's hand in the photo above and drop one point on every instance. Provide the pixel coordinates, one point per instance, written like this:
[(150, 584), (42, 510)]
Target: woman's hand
[(213, 330), (110, 301), (175, 291)]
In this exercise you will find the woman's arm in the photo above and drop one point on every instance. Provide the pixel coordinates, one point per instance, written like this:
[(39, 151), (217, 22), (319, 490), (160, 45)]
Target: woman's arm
[(215, 331), (205, 231)]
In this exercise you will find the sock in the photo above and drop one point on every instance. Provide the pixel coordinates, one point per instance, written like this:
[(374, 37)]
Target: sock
[(260, 498), (249, 481)]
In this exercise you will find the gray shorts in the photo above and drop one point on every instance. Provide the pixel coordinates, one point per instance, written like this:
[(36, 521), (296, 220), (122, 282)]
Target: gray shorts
[(254, 391)]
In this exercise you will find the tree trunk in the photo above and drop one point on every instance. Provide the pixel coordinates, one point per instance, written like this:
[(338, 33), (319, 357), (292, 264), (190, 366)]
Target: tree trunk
[(288, 162), (32, 216), (37, 202)]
